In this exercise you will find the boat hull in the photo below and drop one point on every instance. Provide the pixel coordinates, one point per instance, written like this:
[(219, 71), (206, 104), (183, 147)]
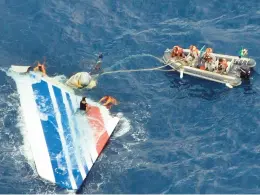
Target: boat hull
[(232, 78)]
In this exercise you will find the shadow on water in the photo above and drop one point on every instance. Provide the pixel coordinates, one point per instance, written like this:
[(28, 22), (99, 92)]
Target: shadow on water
[(196, 87)]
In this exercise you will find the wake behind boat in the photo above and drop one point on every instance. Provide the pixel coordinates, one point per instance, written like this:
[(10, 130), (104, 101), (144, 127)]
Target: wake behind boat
[(226, 69)]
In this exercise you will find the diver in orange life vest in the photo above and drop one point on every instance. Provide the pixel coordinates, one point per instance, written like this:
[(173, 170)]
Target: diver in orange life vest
[(108, 101), (84, 105), (41, 68), (177, 51)]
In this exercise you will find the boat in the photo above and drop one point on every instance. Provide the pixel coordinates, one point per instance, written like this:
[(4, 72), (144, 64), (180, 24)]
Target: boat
[(65, 143), (238, 67)]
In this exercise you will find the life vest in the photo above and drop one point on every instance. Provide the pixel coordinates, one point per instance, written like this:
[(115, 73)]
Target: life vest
[(109, 101), (177, 51)]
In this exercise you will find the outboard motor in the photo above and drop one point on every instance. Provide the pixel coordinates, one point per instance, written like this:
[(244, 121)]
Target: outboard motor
[(244, 72)]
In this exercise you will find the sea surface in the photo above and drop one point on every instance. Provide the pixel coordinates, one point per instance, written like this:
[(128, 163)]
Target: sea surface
[(177, 135)]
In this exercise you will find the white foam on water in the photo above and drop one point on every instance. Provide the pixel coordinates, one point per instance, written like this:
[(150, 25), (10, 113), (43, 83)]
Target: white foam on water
[(124, 126), (139, 132), (26, 147), (60, 78)]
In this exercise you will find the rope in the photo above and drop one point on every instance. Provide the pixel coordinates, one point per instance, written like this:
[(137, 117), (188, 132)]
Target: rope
[(137, 70)]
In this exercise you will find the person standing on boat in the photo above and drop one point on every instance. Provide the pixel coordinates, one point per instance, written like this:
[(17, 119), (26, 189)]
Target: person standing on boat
[(209, 59), (177, 51)]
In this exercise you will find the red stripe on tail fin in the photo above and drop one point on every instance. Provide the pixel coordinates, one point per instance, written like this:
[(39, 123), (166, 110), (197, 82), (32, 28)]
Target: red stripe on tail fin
[(97, 123)]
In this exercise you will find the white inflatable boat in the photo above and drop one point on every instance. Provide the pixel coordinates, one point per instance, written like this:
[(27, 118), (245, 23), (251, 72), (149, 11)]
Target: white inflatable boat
[(238, 68)]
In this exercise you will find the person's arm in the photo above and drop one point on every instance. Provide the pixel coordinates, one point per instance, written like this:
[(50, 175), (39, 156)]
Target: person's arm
[(102, 99), (106, 103), (44, 71)]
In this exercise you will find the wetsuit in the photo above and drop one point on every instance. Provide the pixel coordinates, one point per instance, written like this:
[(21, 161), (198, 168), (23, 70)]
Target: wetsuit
[(83, 105)]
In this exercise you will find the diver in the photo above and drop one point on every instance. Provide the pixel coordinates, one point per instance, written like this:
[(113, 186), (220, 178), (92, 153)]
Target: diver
[(108, 101), (84, 105), (177, 51), (209, 59)]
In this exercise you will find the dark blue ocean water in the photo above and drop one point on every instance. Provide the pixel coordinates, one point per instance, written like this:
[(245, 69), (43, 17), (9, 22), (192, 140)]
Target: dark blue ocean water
[(185, 135)]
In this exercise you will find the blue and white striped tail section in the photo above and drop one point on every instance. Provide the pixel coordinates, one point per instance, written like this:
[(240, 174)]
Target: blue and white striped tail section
[(63, 148)]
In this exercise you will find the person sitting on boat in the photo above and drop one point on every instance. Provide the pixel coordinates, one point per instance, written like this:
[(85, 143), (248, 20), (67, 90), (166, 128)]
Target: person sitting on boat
[(193, 55), (108, 101), (209, 59), (177, 51), (222, 66), (84, 105), (40, 68)]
